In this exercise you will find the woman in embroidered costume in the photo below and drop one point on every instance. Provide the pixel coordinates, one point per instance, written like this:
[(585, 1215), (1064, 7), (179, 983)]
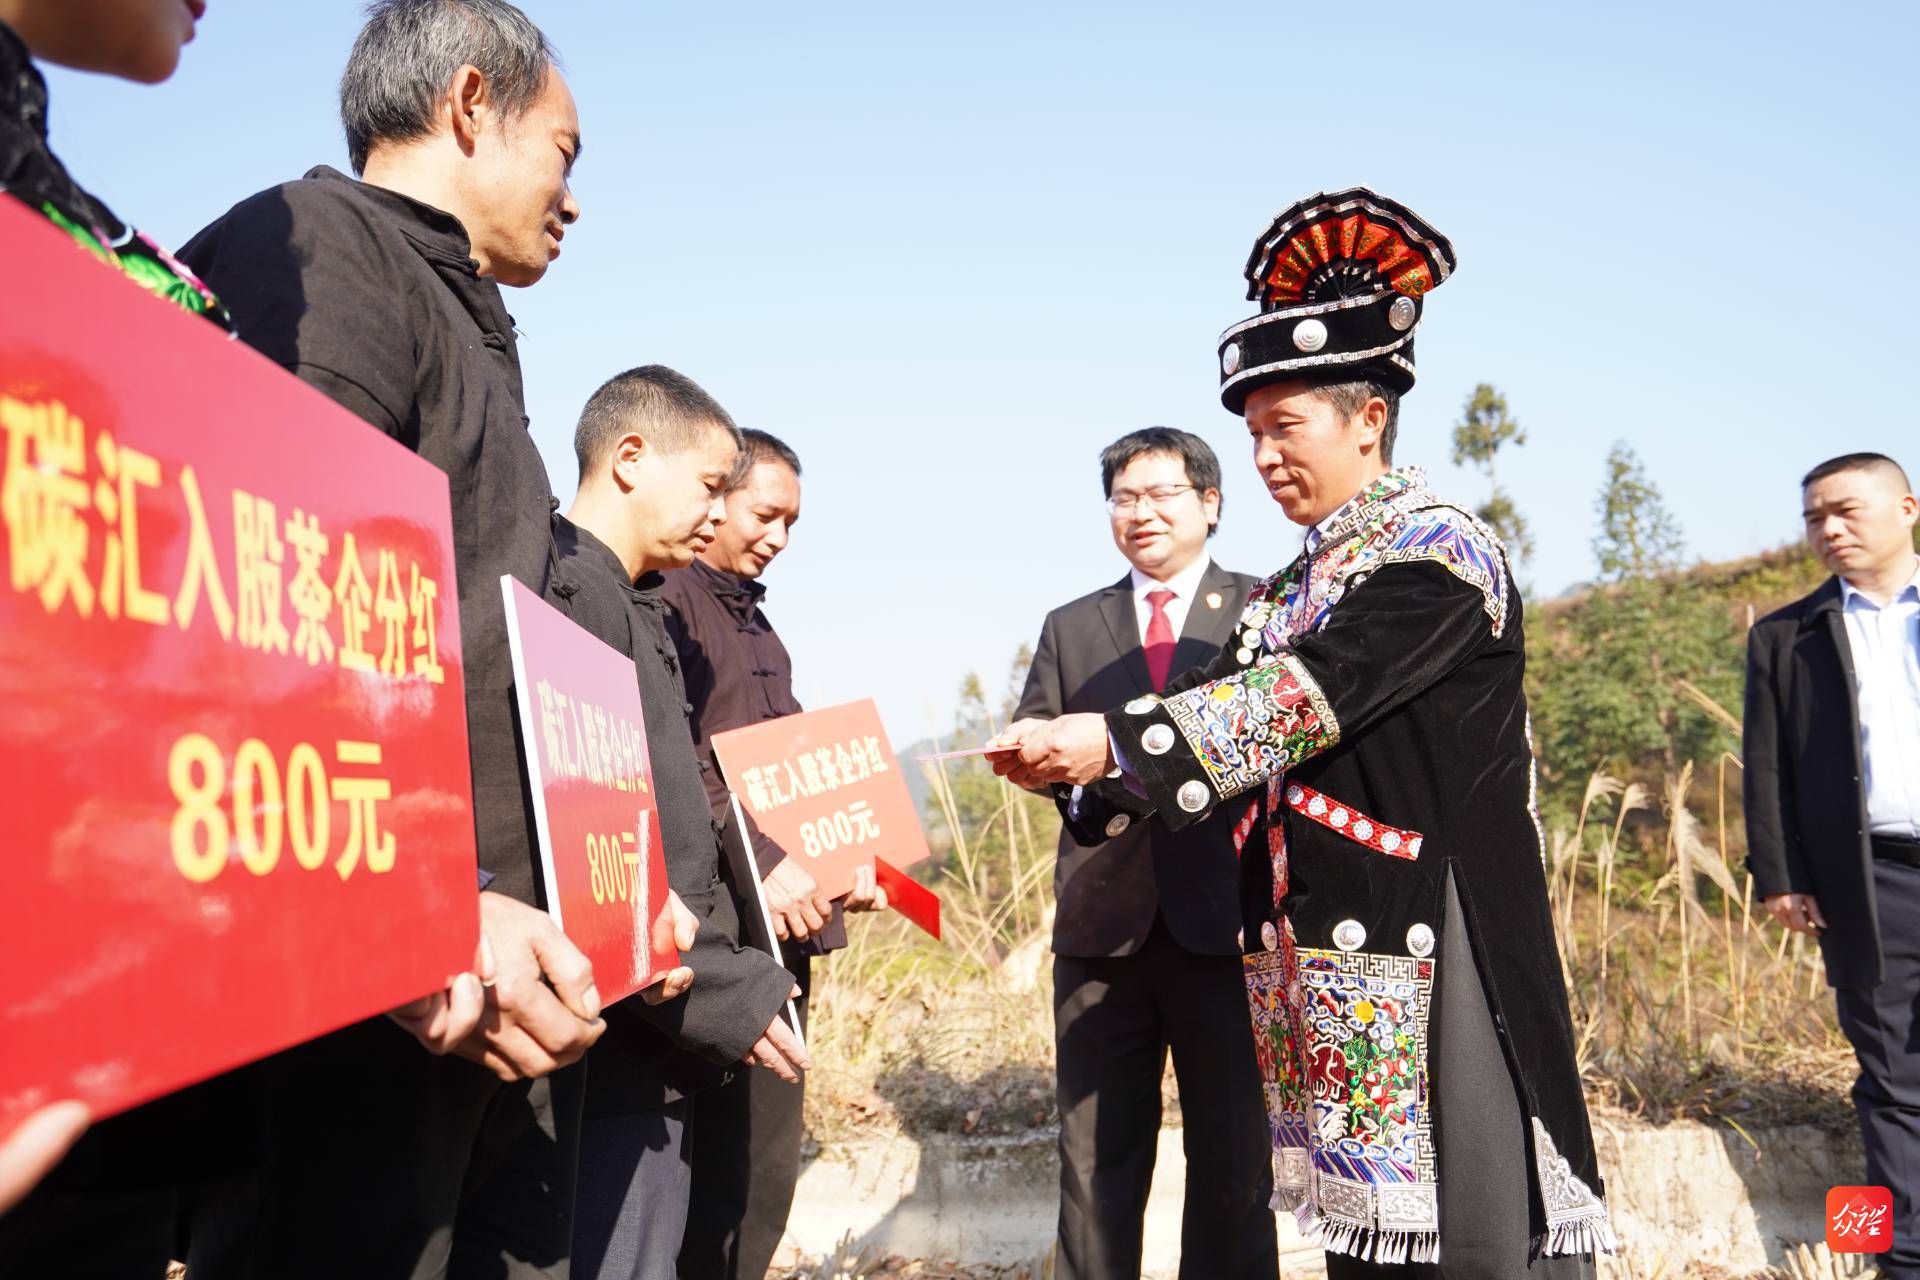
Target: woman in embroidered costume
[(1411, 1026)]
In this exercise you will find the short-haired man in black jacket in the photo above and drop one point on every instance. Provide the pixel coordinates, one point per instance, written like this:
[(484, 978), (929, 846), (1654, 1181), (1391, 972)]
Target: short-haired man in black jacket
[(1832, 736), (384, 294), (656, 455)]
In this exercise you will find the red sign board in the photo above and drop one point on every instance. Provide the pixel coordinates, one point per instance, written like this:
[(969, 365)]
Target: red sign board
[(825, 787), (234, 749), (584, 741)]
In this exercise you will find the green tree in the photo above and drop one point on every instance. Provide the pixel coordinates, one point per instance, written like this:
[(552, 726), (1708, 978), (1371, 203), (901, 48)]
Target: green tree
[(1485, 425), (1608, 673)]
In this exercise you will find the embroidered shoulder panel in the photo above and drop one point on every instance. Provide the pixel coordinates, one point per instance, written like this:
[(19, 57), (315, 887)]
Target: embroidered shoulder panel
[(1456, 540)]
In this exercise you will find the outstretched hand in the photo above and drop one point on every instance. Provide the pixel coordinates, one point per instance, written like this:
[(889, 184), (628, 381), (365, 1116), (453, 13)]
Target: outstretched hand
[(1072, 749)]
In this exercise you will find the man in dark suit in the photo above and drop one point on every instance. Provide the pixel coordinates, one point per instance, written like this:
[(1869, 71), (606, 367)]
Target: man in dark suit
[(1146, 953), (1833, 797)]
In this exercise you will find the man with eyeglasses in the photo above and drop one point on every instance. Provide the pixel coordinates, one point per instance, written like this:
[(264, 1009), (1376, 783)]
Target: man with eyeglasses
[(1146, 959)]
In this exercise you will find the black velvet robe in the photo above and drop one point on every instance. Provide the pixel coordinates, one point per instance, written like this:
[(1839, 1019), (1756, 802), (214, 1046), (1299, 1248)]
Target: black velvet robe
[(1370, 721)]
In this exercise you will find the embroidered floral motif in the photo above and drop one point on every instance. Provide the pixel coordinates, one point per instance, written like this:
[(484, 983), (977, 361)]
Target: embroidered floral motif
[(1341, 1043), (1255, 723)]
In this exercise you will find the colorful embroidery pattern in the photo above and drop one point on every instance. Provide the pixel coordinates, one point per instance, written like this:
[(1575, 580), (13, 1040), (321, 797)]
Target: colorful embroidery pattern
[(1341, 1042), (1253, 724)]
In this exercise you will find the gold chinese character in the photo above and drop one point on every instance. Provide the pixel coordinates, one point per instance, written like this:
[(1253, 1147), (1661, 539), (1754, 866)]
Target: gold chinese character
[(308, 591), (203, 569), (360, 795), (422, 597), (123, 471), (390, 607), (355, 597), (42, 501), (258, 556)]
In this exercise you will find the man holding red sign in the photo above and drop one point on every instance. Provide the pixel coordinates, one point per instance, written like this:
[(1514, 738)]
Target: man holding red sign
[(656, 454), (746, 1148), (384, 294)]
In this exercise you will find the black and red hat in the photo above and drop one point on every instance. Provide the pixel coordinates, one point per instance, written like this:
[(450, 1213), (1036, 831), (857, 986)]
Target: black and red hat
[(1341, 278)]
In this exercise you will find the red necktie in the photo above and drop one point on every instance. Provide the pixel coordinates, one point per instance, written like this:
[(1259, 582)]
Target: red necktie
[(1159, 645)]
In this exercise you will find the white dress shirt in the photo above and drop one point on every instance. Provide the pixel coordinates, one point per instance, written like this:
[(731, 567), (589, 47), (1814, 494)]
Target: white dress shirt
[(1183, 585), (1885, 640)]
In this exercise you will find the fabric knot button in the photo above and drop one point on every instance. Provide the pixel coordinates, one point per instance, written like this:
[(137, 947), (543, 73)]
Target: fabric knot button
[(1363, 830), (1389, 840), (1138, 707), (1402, 314), (1295, 795), (1420, 940), (1317, 806), (1117, 825), (1310, 335), (1349, 935), (1158, 739), (1269, 936), (1192, 796), (1338, 817)]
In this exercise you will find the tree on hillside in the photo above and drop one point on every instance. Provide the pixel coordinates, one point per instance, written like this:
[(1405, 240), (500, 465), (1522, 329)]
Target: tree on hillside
[(1485, 425), (1606, 679)]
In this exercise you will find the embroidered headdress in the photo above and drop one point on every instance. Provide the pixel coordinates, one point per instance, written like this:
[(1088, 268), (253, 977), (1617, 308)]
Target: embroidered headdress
[(1341, 279)]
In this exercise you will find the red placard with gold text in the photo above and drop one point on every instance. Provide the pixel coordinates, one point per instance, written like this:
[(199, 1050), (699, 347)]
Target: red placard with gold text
[(234, 747), (825, 787), (583, 738)]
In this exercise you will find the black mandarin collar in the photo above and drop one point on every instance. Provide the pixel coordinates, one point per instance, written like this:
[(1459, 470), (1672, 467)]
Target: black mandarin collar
[(740, 596), (23, 90), (645, 586), (438, 233)]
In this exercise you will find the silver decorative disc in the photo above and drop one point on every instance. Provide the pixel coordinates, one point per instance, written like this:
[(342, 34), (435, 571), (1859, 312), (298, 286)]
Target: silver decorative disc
[(1420, 940), (1402, 313), (1240, 939), (1138, 707), (1269, 936), (1349, 935), (1310, 335), (1230, 359), (1117, 825), (1158, 739), (1192, 796), (1243, 656)]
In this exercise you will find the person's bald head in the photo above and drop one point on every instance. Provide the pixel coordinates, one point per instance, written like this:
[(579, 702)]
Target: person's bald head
[(1860, 512)]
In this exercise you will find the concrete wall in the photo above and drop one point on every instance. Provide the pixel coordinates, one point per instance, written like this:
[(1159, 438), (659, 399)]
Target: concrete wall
[(1684, 1193)]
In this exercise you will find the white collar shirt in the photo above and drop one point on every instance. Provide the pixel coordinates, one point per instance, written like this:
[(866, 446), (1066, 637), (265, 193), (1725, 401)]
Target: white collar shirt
[(1183, 584), (1885, 643)]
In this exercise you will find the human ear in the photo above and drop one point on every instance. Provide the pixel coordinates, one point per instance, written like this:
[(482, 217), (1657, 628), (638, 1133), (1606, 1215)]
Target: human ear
[(468, 102), (629, 452)]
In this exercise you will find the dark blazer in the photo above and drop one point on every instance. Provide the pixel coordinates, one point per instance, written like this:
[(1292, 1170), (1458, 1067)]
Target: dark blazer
[(1806, 807), (1089, 659)]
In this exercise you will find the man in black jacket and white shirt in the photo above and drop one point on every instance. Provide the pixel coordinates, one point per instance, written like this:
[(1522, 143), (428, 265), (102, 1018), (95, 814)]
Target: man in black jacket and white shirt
[(1146, 957), (656, 455), (1832, 795)]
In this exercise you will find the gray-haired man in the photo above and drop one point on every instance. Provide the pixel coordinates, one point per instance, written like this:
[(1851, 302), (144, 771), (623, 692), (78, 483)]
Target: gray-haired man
[(382, 1159)]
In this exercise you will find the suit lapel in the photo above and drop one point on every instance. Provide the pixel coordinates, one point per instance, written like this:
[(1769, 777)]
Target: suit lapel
[(1207, 622), (1828, 616), (1116, 606)]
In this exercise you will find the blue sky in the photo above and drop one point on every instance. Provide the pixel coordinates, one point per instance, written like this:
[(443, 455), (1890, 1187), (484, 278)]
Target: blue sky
[(948, 252)]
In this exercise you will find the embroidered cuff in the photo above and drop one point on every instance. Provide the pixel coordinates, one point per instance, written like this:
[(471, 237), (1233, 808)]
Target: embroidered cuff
[(1198, 748)]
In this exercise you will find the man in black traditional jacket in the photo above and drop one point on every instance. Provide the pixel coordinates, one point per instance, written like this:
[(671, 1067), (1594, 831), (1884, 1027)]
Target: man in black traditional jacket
[(384, 294), (1369, 718), (656, 456)]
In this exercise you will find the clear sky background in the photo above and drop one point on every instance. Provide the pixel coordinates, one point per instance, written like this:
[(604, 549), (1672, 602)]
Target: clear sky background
[(949, 252)]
